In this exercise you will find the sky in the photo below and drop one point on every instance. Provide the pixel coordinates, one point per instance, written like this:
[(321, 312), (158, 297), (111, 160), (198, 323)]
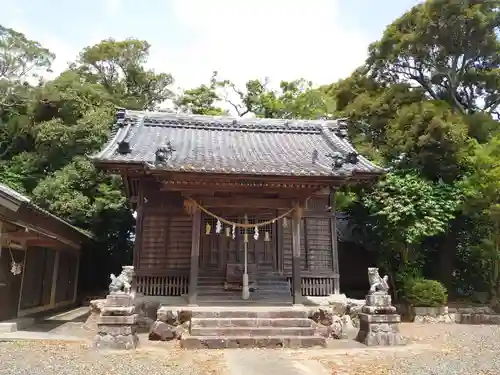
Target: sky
[(320, 40)]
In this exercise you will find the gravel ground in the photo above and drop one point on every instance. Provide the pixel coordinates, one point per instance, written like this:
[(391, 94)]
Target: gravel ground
[(52, 358), (434, 350), (442, 349)]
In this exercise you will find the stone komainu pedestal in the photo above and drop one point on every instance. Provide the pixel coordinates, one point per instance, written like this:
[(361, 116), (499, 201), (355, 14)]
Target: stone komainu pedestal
[(117, 324), (379, 323)]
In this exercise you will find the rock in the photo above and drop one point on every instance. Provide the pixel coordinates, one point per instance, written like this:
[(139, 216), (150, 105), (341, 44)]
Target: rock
[(337, 331), (324, 316), (167, 315), (95, 307), (161, 331), (338, 302), (143, 319)]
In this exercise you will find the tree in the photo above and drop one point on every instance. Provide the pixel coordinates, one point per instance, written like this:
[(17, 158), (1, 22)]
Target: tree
[(20, 57), (399, 213), (201, 100), (450, 49), (119, 67), (296, 99)]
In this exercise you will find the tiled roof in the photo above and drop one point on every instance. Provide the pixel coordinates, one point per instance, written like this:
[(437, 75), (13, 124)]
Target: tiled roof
[(194, 143), (12, 200)]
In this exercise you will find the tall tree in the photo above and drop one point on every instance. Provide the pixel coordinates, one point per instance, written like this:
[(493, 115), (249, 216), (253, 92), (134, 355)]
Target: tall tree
[(119, 67), (201, 100), (450, 49)]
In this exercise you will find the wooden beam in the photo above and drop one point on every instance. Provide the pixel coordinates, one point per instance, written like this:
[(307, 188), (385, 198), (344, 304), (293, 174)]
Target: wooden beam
[(247, 202), (335, 251), (296, 278), (195, 257)]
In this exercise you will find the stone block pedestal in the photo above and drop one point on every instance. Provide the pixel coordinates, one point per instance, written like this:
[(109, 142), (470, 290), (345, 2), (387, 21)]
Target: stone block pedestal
[(117, 324), (379, 323)]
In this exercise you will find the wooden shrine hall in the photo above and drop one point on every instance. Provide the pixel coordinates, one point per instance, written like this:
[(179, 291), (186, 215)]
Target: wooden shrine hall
[(233, 208)]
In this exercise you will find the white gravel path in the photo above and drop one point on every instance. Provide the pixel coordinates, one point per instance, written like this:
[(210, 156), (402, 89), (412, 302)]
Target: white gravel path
[(435, 349)]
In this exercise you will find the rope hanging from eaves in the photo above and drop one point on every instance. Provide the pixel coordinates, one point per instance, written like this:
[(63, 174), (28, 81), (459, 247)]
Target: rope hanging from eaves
[(240, 225)]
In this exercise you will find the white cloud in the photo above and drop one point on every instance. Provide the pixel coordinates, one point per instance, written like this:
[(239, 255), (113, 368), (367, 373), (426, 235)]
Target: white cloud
[(244, 39)]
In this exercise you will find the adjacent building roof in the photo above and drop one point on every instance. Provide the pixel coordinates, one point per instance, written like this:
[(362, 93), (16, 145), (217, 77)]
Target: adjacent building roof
[(194, 143), (18, 209)]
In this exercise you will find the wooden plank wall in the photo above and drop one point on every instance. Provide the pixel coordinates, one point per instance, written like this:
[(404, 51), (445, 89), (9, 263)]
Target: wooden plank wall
[(37, 282), (166, 234), (65, 283), (315, 240)]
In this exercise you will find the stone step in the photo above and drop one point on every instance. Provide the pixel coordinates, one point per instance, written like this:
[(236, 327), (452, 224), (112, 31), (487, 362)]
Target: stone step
[(250, 322), (253, 331), (212, 342), (268, 313), (221, 291)]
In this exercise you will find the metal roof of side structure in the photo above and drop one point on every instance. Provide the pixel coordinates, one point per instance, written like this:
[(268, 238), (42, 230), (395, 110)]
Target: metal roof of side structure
[(213, 144)]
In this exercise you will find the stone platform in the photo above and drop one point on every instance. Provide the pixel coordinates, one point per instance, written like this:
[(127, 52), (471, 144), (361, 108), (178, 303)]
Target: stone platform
[(247, 327), (379, 323)]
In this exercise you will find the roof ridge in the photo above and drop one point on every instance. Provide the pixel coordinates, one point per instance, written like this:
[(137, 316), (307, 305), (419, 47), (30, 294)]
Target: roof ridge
[(229, 122)]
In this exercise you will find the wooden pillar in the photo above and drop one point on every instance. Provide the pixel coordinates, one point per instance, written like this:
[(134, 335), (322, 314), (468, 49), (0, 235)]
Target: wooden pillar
[(55, 274), (296, 278), (335, 248), (139, 211), (195, 256), (77, 273)]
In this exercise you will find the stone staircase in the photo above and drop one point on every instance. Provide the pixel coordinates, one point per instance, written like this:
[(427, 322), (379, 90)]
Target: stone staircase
[(271, 288), (251, 327)]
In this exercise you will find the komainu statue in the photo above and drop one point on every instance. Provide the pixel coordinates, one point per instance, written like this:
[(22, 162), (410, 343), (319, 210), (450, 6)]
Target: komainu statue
[(378, 285), (123, 282)]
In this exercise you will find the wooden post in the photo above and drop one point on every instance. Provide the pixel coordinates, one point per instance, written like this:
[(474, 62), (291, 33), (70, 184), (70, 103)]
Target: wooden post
[(55, 273), (138, 229), (195, 256), (335, 249), (77, 273), (296, 278)]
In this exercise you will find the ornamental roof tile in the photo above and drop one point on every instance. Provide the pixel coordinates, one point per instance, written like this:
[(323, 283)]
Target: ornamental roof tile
[(211, 144)]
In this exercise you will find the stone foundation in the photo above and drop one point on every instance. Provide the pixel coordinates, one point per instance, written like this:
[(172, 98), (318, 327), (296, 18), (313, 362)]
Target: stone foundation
[(460, 315), (379, 323), (117, 324)]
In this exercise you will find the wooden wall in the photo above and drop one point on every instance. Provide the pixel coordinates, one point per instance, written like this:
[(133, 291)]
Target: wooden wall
[(165, 234), (10, 285), (315, 240), (165, 238), (37, 280)]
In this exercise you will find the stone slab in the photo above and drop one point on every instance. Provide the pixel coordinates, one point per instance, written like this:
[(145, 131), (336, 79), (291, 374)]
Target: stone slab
[(378, 309), (290, 313), (210, 342), (378, 300), (380, 338), (117, 320), (392, 318), (117, 330), (430, 311), (250, 322), (117, 311), (119, 300), (253, 331), (16, 324)]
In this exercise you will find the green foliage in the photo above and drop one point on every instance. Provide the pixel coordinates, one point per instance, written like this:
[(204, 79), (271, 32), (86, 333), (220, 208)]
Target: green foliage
[(201, 100), (425, 103), (407, 208), (450, 49), (427, 293)]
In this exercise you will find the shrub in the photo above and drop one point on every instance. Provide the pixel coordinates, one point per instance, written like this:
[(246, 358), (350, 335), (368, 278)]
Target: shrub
[(427, 293)]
